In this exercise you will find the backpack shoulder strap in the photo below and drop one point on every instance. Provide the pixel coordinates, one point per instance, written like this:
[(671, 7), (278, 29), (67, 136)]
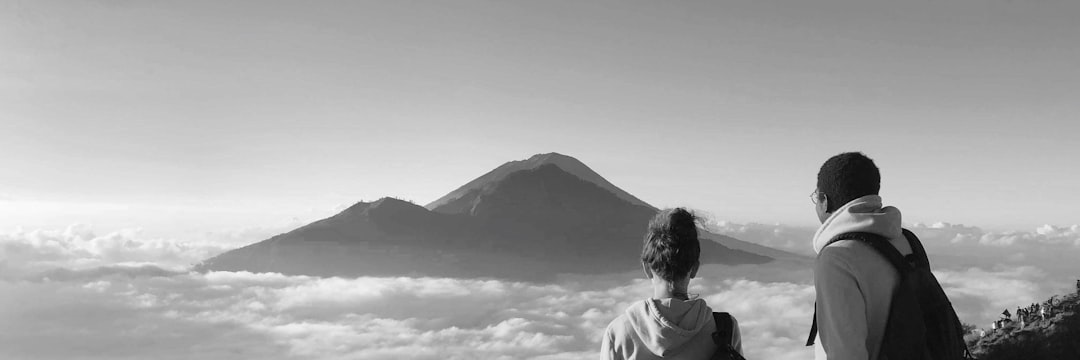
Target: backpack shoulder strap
[(813, 329), (882, 246), (724, 337), (917, 249), (724, 333)]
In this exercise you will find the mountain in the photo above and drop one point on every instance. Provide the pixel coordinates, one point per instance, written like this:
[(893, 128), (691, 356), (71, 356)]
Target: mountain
[(1057, 337), (526, 220), (455, 200)]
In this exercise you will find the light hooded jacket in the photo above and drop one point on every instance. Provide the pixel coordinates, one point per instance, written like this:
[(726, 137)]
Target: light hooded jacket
[(854, 284), (664, 329)]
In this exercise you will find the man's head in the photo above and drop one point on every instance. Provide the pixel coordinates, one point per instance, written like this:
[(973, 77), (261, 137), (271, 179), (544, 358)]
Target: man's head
[(843, 178), (671, 247)]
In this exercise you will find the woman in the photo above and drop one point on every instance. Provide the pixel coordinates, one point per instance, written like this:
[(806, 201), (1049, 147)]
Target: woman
[(670, 325)]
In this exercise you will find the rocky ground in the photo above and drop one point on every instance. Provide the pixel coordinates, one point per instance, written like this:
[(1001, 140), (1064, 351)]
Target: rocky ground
[(1057, 337)]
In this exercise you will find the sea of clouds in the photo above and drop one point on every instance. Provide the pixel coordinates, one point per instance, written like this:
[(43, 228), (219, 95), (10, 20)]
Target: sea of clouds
[(74, 294)]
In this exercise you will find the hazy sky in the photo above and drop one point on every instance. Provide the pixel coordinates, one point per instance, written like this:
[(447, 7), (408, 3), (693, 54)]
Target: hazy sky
[(192, 115)]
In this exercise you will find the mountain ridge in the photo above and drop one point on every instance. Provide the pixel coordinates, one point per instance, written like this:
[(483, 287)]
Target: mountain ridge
[(529, 224)]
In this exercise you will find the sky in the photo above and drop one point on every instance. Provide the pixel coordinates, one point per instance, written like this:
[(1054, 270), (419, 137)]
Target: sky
[(190, 117)]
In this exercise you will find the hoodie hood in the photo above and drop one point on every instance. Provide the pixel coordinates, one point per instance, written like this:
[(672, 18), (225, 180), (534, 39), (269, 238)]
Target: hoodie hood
[(864, 214), (665, 325)]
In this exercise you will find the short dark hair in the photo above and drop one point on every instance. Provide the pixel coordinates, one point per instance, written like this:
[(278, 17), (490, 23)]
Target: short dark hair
[(671, 245), (846, 177)]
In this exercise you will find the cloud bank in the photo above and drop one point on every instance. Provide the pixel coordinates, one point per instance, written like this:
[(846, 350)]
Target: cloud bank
[(246, 315), (75, 294), (78, 247), (950, 246)]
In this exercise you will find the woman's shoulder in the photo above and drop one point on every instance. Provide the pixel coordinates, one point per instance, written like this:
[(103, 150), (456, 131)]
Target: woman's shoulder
[(620, 326)]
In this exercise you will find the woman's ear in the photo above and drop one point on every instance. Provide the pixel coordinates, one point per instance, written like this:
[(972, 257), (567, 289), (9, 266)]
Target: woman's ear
[(693, 270), (648, 273)]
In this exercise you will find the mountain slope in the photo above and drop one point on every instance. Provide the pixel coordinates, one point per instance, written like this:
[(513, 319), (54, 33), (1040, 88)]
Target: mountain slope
[(530, 224), (1057, 337)]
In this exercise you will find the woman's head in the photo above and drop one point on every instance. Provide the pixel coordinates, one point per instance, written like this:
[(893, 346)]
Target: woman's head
[(671, 245)]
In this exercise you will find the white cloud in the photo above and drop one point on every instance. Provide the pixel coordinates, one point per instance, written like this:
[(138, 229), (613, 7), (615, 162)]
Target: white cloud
[(958, 234), (979, 295), (76, 294), (78, 247), (791, 238), (797, 239), (236, 314)]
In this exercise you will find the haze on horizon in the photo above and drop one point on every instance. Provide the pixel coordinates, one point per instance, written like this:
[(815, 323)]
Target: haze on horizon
[(187, 117)]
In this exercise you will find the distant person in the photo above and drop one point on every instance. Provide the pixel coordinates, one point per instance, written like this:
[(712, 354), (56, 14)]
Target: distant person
[(671, 324), (1007, 314), (863, 256)]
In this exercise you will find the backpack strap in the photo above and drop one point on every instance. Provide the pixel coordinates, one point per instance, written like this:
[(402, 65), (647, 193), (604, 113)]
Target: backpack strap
[(724, 332), (882, 246), (725, 335), (918, 253)]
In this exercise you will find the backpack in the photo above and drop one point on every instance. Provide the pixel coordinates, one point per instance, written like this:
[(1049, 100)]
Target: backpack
[(922, 324), (725, 330)]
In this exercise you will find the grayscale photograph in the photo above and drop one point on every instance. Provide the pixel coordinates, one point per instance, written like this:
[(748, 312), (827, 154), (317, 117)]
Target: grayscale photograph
[(539, 180)]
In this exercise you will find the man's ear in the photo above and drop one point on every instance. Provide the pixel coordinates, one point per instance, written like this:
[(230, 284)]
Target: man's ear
[(648, 273), (821, 209), (693, 270)]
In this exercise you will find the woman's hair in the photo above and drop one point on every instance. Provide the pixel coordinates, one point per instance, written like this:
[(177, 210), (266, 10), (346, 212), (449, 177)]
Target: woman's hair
[(671, 245)]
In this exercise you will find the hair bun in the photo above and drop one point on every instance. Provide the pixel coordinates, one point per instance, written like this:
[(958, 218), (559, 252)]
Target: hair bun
[(671, 247), (681, 225)]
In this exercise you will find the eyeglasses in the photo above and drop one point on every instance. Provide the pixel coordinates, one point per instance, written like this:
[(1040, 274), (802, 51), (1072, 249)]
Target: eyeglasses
[(816, 197)]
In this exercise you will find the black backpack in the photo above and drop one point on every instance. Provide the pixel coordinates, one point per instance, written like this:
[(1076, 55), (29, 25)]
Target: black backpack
[(922, 324), (725, 330)]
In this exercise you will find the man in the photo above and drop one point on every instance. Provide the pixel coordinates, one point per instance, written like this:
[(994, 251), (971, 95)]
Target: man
[(853, 282)]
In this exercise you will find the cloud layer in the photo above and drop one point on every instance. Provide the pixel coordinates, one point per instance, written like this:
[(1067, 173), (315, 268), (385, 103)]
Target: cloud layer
[(74, 294), (950, 246), (78, 247), (245, 315)]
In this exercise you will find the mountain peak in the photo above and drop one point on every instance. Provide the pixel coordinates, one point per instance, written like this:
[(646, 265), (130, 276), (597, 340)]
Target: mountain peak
[(550, 157), (389, 201), (451, 202)]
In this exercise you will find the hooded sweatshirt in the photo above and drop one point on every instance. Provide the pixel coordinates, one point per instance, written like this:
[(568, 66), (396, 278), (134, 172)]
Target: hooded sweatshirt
[(854, 284), (664, 329)]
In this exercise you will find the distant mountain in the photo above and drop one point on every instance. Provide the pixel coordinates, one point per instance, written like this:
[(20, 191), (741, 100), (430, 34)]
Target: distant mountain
[(526, 220), (1057, 337), (454, 201)]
